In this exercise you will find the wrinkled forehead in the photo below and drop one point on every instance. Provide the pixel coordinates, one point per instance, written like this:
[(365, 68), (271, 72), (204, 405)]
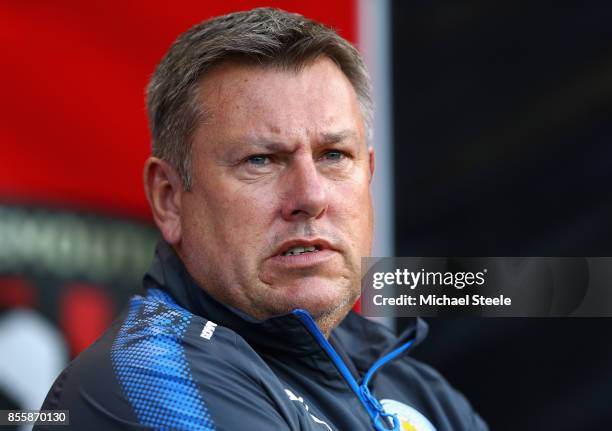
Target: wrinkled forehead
[(279, 102)]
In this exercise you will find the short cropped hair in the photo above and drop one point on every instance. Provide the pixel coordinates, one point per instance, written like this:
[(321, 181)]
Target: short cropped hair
[(264, 37)]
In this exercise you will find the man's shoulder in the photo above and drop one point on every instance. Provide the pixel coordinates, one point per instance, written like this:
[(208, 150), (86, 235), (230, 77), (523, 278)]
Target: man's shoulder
[(154, 338), (154, 325), (157, 334), (150, 366)]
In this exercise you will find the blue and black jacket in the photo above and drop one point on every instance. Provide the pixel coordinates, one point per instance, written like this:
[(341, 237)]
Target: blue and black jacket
[(176, 359)]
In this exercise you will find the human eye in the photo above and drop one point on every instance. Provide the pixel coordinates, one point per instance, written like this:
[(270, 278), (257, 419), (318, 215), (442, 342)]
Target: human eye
[(256, 165), (334, 156), (258, 160)]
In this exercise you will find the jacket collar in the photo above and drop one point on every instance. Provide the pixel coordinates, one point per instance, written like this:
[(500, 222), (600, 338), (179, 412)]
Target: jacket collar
[(363, 340)]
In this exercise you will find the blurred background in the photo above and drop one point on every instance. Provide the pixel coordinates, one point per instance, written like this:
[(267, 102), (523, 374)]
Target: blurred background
[(493, 138)]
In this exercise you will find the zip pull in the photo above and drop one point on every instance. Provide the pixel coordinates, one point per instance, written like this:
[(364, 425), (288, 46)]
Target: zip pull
[(379, 410), (373, 407), (385, 359), (379, 420)]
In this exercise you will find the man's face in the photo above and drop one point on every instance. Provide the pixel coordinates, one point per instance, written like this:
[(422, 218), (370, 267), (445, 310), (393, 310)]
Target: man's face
[(280, 211)]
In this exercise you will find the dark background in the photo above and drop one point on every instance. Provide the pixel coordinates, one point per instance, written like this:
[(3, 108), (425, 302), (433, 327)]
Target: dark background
[(502, 115)]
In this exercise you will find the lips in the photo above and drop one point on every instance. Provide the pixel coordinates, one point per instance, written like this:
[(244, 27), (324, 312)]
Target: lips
[(298, 246), (295, 251), (302, 254)]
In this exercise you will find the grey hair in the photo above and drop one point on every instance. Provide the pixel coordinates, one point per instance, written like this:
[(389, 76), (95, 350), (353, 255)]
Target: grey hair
[(266, 37)]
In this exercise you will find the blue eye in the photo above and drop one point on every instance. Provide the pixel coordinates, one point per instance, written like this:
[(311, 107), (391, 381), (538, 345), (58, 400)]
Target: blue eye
[(334, 155), (258, 160)]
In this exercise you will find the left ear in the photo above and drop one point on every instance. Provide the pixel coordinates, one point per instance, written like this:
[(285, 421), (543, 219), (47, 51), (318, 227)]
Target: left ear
[(372, 161), (164, 190)]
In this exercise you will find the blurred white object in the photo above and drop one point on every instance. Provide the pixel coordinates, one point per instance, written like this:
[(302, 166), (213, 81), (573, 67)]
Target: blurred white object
[(33, 354)]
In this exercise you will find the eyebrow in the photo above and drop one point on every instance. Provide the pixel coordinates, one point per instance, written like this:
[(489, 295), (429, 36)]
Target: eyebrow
[(276, 146), (332, 138)]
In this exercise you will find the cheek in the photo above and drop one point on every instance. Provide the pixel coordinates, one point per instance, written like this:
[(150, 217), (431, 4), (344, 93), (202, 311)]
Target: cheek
[(248, 207), (353, 196), (239, 218), (353, 209)]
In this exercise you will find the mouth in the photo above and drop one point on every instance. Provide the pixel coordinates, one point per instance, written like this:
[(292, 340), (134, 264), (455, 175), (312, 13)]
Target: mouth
[(298, 247), (295, 251), (301, 253)]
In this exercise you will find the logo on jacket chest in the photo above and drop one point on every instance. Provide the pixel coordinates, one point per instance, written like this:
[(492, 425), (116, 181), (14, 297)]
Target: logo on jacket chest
[(208, 330), (410, 418)]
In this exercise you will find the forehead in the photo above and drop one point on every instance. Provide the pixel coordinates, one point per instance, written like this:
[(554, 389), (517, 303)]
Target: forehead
[(245, 99)]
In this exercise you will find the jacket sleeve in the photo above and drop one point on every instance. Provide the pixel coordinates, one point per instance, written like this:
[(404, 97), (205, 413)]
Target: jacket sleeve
[(160, 381), (89, 390)]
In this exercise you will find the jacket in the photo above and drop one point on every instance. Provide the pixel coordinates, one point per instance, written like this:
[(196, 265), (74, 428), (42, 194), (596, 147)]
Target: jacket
[(176, 359)]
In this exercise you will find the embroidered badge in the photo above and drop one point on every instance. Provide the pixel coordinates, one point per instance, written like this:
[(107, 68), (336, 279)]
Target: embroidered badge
[(410, 418)]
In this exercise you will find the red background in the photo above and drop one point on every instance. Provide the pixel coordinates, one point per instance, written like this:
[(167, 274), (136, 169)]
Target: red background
[(73, 129)]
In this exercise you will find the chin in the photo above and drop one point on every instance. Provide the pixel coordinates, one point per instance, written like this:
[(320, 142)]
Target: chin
[(319, 298)]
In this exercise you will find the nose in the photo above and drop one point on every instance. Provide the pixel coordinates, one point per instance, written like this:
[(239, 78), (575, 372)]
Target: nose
[(305, 191)]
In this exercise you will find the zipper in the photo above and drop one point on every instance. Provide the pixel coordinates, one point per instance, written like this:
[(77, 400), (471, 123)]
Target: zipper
[(373, 407)]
